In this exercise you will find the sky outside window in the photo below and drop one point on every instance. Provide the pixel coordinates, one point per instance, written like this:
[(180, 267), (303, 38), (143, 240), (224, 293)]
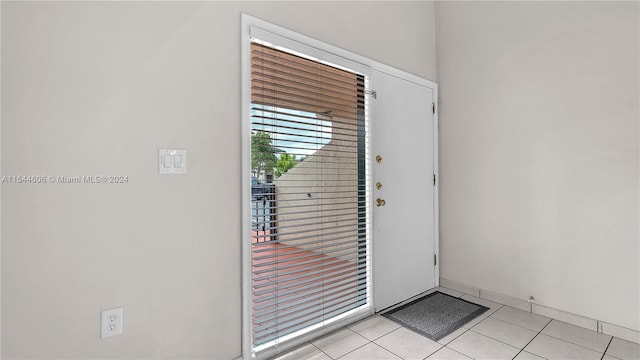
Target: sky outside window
[(295, 132)]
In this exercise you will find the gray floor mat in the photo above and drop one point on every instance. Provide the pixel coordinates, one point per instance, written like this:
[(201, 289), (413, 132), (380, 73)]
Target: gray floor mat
[(436, 315)]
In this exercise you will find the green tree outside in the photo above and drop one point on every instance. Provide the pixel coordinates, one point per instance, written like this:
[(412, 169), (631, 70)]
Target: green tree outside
[(286, 162), (263, 154)]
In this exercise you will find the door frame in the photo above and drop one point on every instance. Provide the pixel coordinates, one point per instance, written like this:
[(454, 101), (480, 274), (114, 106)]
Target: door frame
[(335, 56)]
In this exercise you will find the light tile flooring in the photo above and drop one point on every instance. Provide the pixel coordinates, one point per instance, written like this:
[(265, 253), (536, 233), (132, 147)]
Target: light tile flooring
[(502, 332)]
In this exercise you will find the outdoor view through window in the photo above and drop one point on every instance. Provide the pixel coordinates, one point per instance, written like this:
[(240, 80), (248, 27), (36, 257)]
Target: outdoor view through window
[(308, 193)]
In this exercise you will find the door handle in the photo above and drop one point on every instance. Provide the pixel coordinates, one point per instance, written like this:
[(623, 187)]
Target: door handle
[(380, 202)]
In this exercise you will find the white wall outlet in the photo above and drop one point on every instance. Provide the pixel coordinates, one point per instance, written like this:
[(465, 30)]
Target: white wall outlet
[(111, 323)]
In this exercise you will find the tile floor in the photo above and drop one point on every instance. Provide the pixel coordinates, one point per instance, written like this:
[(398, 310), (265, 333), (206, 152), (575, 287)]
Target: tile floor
[(502, 332)]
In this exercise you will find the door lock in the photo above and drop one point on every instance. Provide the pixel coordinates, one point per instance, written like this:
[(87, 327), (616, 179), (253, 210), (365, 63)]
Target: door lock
[(378, 185), (380, 202), (378, 159)]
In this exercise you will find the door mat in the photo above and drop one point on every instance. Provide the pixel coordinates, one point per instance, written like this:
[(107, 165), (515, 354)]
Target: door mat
[(436, 315)]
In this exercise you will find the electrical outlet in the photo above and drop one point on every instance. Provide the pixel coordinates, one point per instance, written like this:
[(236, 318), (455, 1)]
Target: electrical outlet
[(111, 323)]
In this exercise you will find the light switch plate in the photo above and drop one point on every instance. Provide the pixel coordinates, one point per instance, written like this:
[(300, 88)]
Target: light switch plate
[(172, 161)]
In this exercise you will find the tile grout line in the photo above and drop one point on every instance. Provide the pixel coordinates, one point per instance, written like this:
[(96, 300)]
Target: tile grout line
[(507, 321), (440, 348), (498, 340), (400, 357), (555, 337), (385, 334), (607, 348), (312, 344), (539, 332), (389, 350), (359, 347), (500, 306), (578, 345), (465, 330), (493, 312), (571, 342), (459, 352)]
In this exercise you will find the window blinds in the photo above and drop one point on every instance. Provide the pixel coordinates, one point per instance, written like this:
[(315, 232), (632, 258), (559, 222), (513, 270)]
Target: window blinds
[(309, 259)]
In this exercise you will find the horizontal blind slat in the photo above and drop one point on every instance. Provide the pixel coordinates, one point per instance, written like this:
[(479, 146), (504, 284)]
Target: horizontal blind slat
[(291, 290), (311, 318), (286, 312)]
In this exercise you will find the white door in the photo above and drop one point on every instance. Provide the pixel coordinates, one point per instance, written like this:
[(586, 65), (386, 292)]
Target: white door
[(403, 228)]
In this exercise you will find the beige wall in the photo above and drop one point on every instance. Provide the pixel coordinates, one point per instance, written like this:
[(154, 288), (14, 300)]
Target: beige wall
[(95, 88), (539, 152)]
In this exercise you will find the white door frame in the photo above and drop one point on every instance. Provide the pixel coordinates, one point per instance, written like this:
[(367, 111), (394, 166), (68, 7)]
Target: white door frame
[(336, 56)]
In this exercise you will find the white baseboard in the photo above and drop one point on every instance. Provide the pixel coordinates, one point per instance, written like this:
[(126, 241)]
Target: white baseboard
[(567, 317), (463, 288), (620, 332), (505, 300), (557, 314)]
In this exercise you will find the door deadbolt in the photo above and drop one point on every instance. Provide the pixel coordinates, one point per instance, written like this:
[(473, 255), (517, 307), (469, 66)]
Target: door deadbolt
[(378, 159), (380, 202), (378, 185)]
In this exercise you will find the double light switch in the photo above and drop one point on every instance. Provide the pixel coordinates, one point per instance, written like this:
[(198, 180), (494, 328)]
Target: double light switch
[(172, 161)]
